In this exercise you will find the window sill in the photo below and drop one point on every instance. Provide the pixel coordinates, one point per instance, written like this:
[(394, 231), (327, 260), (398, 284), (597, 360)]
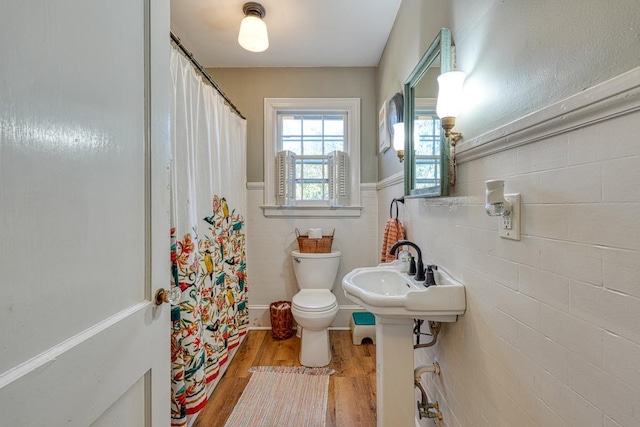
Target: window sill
[(312, 211)]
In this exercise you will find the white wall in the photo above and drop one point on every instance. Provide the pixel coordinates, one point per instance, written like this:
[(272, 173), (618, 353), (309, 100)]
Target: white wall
[(248, 87), (521, 55), (550, 335), (271, 240), (417, 24)]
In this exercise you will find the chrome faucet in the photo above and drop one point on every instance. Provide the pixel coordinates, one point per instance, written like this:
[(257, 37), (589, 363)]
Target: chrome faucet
[(420, 266)]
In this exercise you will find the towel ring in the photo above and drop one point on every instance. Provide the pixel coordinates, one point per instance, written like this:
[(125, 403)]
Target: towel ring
[(395, 201)]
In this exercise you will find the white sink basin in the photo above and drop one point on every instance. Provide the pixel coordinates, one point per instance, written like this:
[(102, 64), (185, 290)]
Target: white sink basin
[(385, 291)]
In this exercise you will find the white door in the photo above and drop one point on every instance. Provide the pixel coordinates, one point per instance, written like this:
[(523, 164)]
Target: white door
[(84, 230)]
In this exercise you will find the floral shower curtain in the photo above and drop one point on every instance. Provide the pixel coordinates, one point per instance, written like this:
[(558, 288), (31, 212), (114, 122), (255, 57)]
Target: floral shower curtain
[(207, 236)]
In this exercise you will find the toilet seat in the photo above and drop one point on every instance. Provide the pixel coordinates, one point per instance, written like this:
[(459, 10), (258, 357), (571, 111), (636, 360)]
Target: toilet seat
[(314, 300)]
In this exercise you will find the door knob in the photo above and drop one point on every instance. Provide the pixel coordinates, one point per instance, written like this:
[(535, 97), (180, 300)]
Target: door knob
[(172, 296)]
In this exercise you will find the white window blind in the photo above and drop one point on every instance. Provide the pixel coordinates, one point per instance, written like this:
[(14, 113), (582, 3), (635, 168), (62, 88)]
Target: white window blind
[(286, 168), (292, 180), (338, 178)]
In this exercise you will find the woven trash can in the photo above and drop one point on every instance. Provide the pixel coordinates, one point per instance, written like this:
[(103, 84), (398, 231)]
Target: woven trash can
[(281, 320)]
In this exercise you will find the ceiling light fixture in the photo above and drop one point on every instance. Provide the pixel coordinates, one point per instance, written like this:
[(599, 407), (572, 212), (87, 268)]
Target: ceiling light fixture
[(253, 31)]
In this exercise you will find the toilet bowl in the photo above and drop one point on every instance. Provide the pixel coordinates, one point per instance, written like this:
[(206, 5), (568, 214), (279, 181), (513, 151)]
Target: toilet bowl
[(315, 308)]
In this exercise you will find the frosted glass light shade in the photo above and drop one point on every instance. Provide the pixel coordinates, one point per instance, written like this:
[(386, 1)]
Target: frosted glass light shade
[(450, 94), (253, 34), (398, 136)]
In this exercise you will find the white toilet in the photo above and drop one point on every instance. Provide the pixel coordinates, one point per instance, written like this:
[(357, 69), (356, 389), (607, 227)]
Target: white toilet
[(315, 307)]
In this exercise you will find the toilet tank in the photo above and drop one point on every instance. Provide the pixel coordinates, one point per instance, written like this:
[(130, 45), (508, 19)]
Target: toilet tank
[(315, 271)]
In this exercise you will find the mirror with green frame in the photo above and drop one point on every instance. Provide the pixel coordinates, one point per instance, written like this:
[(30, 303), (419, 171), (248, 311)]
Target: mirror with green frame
[(426, 170)]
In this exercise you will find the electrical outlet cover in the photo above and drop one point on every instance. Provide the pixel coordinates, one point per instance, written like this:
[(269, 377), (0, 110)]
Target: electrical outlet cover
[(512, 233)]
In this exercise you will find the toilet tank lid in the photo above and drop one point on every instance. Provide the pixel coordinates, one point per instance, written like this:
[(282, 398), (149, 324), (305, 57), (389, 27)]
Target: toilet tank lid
[(332, 254)]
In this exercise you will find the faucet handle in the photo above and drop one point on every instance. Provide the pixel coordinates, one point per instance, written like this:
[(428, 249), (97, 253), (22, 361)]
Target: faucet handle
[(430, 280), (412, 266)]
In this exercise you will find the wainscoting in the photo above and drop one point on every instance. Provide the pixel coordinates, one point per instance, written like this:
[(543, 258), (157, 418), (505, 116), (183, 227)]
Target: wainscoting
[(550, 336), (270, 241)]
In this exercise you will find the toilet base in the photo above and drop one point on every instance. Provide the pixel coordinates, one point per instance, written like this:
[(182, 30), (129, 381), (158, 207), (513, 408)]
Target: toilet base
[(315, 350)]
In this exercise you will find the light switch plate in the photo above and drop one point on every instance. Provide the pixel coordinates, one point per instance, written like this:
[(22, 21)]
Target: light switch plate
[(510, 226)]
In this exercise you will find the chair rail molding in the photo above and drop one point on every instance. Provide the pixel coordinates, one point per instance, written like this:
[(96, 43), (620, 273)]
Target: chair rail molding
[(607, 100)]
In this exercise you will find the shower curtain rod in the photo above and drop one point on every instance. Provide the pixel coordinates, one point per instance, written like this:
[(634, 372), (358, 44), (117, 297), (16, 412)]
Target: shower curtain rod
[(206, 75)]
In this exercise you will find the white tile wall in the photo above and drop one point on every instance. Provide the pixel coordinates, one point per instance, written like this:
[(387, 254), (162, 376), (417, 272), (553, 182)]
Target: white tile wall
[(621, 270), (578, 184), (620, 179), (621, 359), (551, 336), (271, 240), (578, 337)]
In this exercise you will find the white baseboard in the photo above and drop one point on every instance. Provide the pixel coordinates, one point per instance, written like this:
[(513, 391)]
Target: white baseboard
[(259, 328), (259, 317), (268, 328)]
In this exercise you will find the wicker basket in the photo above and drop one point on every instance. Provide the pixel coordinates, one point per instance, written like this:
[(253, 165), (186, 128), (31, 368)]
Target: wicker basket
[(315, 246), (281, 320)]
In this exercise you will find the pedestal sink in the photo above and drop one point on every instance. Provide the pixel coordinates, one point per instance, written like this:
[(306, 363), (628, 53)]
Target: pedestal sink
[(396, 299)]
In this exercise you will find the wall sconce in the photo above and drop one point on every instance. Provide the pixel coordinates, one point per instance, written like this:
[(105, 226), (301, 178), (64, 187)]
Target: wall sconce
[(253, 31), (449, 102), (398, 139), (505, 206)]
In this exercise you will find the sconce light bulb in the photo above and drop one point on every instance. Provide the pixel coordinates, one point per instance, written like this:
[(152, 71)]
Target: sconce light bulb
[(398, 139), (449, 102)]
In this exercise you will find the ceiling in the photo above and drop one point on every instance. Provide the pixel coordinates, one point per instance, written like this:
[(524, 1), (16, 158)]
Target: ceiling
[(302, 33)]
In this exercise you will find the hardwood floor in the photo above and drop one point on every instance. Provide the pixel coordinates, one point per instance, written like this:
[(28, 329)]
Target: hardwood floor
[(352, 389)]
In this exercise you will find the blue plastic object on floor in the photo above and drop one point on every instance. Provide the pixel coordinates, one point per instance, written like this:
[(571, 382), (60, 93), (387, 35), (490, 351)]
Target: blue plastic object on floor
[(363, 326), (364, 318)]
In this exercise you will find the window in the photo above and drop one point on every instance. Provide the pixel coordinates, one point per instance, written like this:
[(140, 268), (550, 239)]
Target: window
[(427, 143), (314, 139), (312, 154)]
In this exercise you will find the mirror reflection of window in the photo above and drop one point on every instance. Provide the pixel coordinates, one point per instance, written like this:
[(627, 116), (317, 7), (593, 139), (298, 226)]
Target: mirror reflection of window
[(427, 142)]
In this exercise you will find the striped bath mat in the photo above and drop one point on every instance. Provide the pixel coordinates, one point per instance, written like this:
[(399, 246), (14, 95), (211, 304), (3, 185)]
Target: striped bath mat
[(283, 396)]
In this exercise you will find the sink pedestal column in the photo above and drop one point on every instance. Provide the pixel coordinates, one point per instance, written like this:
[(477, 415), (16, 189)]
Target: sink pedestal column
[(394, 372)]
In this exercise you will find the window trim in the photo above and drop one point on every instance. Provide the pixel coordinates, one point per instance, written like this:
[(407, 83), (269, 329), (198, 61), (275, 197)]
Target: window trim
[(272, 106)]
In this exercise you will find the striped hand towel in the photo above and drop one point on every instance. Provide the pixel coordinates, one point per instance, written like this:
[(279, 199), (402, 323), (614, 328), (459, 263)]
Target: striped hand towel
[(393, 231)]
